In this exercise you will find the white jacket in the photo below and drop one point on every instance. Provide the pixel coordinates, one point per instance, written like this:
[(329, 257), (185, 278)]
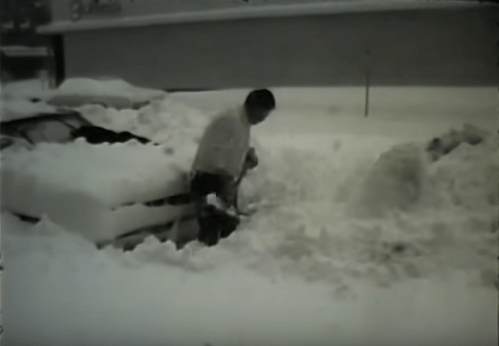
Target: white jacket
[(224, 145)]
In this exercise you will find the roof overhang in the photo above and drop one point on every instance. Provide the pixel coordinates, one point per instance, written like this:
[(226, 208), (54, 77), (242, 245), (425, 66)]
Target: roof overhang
[(257, 11)]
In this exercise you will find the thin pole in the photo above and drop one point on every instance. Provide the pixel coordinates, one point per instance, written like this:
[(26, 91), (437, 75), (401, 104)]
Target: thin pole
[(368, 81), (368, 75)]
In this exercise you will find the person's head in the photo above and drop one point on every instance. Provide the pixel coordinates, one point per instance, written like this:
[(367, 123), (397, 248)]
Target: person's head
[(258, 105)]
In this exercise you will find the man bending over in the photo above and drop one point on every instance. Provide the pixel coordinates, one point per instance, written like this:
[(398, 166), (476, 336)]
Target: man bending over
[(223, 158)]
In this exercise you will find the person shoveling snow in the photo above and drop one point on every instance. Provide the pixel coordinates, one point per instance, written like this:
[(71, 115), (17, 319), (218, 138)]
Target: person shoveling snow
[(223, 158)]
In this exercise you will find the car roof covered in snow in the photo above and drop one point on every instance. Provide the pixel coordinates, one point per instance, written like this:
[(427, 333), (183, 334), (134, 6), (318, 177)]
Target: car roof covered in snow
[(74, 92)]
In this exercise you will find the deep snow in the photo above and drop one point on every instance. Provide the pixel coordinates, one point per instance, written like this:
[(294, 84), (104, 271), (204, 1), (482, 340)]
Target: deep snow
[(89, 188), (307, 268)]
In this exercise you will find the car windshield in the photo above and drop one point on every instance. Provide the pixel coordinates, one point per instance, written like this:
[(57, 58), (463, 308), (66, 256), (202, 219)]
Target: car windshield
[(49, 131)]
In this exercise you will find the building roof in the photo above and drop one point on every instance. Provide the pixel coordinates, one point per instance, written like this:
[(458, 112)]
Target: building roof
[(136, 14)]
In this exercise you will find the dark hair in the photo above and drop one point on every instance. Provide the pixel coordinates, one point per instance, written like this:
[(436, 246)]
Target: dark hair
[(261, 99)]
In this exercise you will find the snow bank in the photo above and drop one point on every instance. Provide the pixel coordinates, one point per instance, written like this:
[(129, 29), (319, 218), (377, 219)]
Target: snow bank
[(403, 176), (467, 177), (305, 227), (83, 187)]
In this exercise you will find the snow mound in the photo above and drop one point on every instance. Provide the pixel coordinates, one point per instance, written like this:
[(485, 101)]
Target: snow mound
[(421, 226), (84, 187), (395, 181), (468, 177)]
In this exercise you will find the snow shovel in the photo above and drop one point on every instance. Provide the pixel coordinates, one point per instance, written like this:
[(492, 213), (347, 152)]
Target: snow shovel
[(187, 198)]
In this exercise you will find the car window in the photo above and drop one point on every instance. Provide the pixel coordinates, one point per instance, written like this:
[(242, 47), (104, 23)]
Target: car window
[(49, 131), (75, 122)]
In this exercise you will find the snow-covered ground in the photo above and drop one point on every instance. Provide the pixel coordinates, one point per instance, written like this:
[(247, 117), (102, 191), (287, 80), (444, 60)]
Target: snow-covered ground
[(307, 268)]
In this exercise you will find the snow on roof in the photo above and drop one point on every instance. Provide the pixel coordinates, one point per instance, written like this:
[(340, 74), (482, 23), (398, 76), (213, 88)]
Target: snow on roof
[(15, 95), (110, 88), (234, 11), (81, 87)]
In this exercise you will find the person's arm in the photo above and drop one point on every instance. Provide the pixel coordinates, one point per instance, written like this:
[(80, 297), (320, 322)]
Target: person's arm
[(251, 159)]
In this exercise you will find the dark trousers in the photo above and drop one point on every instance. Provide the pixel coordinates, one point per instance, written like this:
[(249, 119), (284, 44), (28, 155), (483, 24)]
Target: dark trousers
[(213, 223)]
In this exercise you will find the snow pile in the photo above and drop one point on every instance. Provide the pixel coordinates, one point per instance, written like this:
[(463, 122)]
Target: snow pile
[(395, 182), (307, 229), (159, 121), (467, 178), (84, 187)]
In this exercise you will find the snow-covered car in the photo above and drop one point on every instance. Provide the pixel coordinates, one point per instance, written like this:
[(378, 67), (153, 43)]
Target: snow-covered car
[(111, 187)]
